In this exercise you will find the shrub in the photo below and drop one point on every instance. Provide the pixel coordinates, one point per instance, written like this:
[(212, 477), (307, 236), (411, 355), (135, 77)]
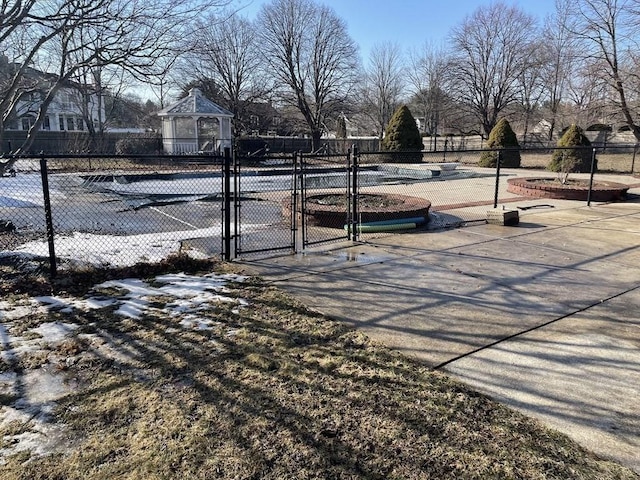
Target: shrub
[(147, 145), (569, 160), (402, 134), (502, 137)]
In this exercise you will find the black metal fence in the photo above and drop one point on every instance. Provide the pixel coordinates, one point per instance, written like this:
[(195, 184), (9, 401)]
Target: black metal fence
[(119, 210)]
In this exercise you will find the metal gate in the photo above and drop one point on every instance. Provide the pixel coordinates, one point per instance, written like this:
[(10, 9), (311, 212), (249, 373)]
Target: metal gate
[(326, 197), (283, 203), (262, 193)]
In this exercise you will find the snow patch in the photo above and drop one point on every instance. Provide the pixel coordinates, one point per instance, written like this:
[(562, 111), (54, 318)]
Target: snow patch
[(193, 322), (40, 389), (82, 249), (9, 312), (55, 332)]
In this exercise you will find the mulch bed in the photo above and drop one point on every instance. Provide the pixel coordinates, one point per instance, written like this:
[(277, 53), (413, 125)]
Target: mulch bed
[(329, 210)]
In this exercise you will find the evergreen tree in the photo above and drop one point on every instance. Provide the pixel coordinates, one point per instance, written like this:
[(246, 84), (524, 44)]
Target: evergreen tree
[(402, 134), (502, 137), (576, 159)]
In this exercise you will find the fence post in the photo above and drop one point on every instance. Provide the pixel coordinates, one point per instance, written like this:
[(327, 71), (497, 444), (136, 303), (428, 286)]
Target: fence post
[(349, 223), (294, 205), (236, 202), (593, 163), (354, 194), (226, 229), (53, 267), (633, 159), (498, 161), (303, 197)]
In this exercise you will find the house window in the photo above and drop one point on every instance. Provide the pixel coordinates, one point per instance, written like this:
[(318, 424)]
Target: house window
[(255, 119), (79, 123), (66, 100), (46, 123), (70, 123), (61, 122), (26, 123)]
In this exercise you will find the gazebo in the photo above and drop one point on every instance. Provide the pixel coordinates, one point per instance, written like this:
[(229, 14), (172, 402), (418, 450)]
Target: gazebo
[(195, 124)]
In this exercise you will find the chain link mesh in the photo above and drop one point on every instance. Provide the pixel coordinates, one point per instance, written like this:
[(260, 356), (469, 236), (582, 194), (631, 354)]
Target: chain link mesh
[(112, 211), (263, 205)]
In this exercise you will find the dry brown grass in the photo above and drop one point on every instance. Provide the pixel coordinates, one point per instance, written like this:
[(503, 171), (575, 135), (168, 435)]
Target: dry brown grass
[(275, 392), (607, 162)]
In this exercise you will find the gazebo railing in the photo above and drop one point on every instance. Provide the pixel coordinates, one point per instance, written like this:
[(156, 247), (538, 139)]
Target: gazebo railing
[(182, 146)]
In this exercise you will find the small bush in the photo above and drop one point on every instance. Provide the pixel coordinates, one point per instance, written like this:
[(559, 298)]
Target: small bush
[(502, 137), (149, 145), (402, 135), (569, 160)]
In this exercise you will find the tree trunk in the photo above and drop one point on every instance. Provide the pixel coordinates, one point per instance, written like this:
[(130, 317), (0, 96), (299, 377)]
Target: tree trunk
[(626, 112), (316, 136)]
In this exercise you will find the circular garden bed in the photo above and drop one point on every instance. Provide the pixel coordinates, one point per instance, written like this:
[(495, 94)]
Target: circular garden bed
[(573, 189), (329, 210)]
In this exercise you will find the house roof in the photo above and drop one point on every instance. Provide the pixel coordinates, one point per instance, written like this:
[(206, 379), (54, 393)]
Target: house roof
[(195, 104)]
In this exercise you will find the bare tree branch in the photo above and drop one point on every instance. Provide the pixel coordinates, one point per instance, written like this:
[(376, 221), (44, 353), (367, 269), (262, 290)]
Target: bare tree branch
[(311, 54), (607, 32), (226, 51), (492, 50), (86, 39), (383, 85)]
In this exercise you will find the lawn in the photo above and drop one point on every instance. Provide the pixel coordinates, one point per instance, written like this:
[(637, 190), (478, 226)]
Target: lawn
[(189, 370)]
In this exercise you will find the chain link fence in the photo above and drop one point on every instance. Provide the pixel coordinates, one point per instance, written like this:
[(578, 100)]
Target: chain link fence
[(117, 210), (112, 211)]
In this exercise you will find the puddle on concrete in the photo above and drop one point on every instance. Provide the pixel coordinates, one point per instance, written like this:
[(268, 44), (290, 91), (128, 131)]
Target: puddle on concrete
[(355, 256)]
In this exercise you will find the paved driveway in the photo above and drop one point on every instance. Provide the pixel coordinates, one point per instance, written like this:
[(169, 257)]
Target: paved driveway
[(544, 316)]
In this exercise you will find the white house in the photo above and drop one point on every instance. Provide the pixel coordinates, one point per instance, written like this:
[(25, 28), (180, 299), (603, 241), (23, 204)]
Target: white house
[(70, 110)]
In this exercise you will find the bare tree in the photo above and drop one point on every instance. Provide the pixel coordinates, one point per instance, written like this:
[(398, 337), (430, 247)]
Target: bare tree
[(559, 47), (532, 87), (427, 74), (589, 97), (607, 31), (383, 84), (310, 52), (25, 29), (492, 49), (225, 50)]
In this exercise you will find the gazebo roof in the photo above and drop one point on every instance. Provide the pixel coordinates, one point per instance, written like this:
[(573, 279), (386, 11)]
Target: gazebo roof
[(195, 104)]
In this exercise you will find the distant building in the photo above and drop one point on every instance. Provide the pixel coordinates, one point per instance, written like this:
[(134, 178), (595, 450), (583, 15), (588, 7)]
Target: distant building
[(259, 118), (543, 127), (195, 124), (72, 107)]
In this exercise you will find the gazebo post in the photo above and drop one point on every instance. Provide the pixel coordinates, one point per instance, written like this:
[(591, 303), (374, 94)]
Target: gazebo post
[(197, 131)]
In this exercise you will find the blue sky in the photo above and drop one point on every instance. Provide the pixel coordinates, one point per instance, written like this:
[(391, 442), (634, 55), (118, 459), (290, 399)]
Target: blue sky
[(410, 23)]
